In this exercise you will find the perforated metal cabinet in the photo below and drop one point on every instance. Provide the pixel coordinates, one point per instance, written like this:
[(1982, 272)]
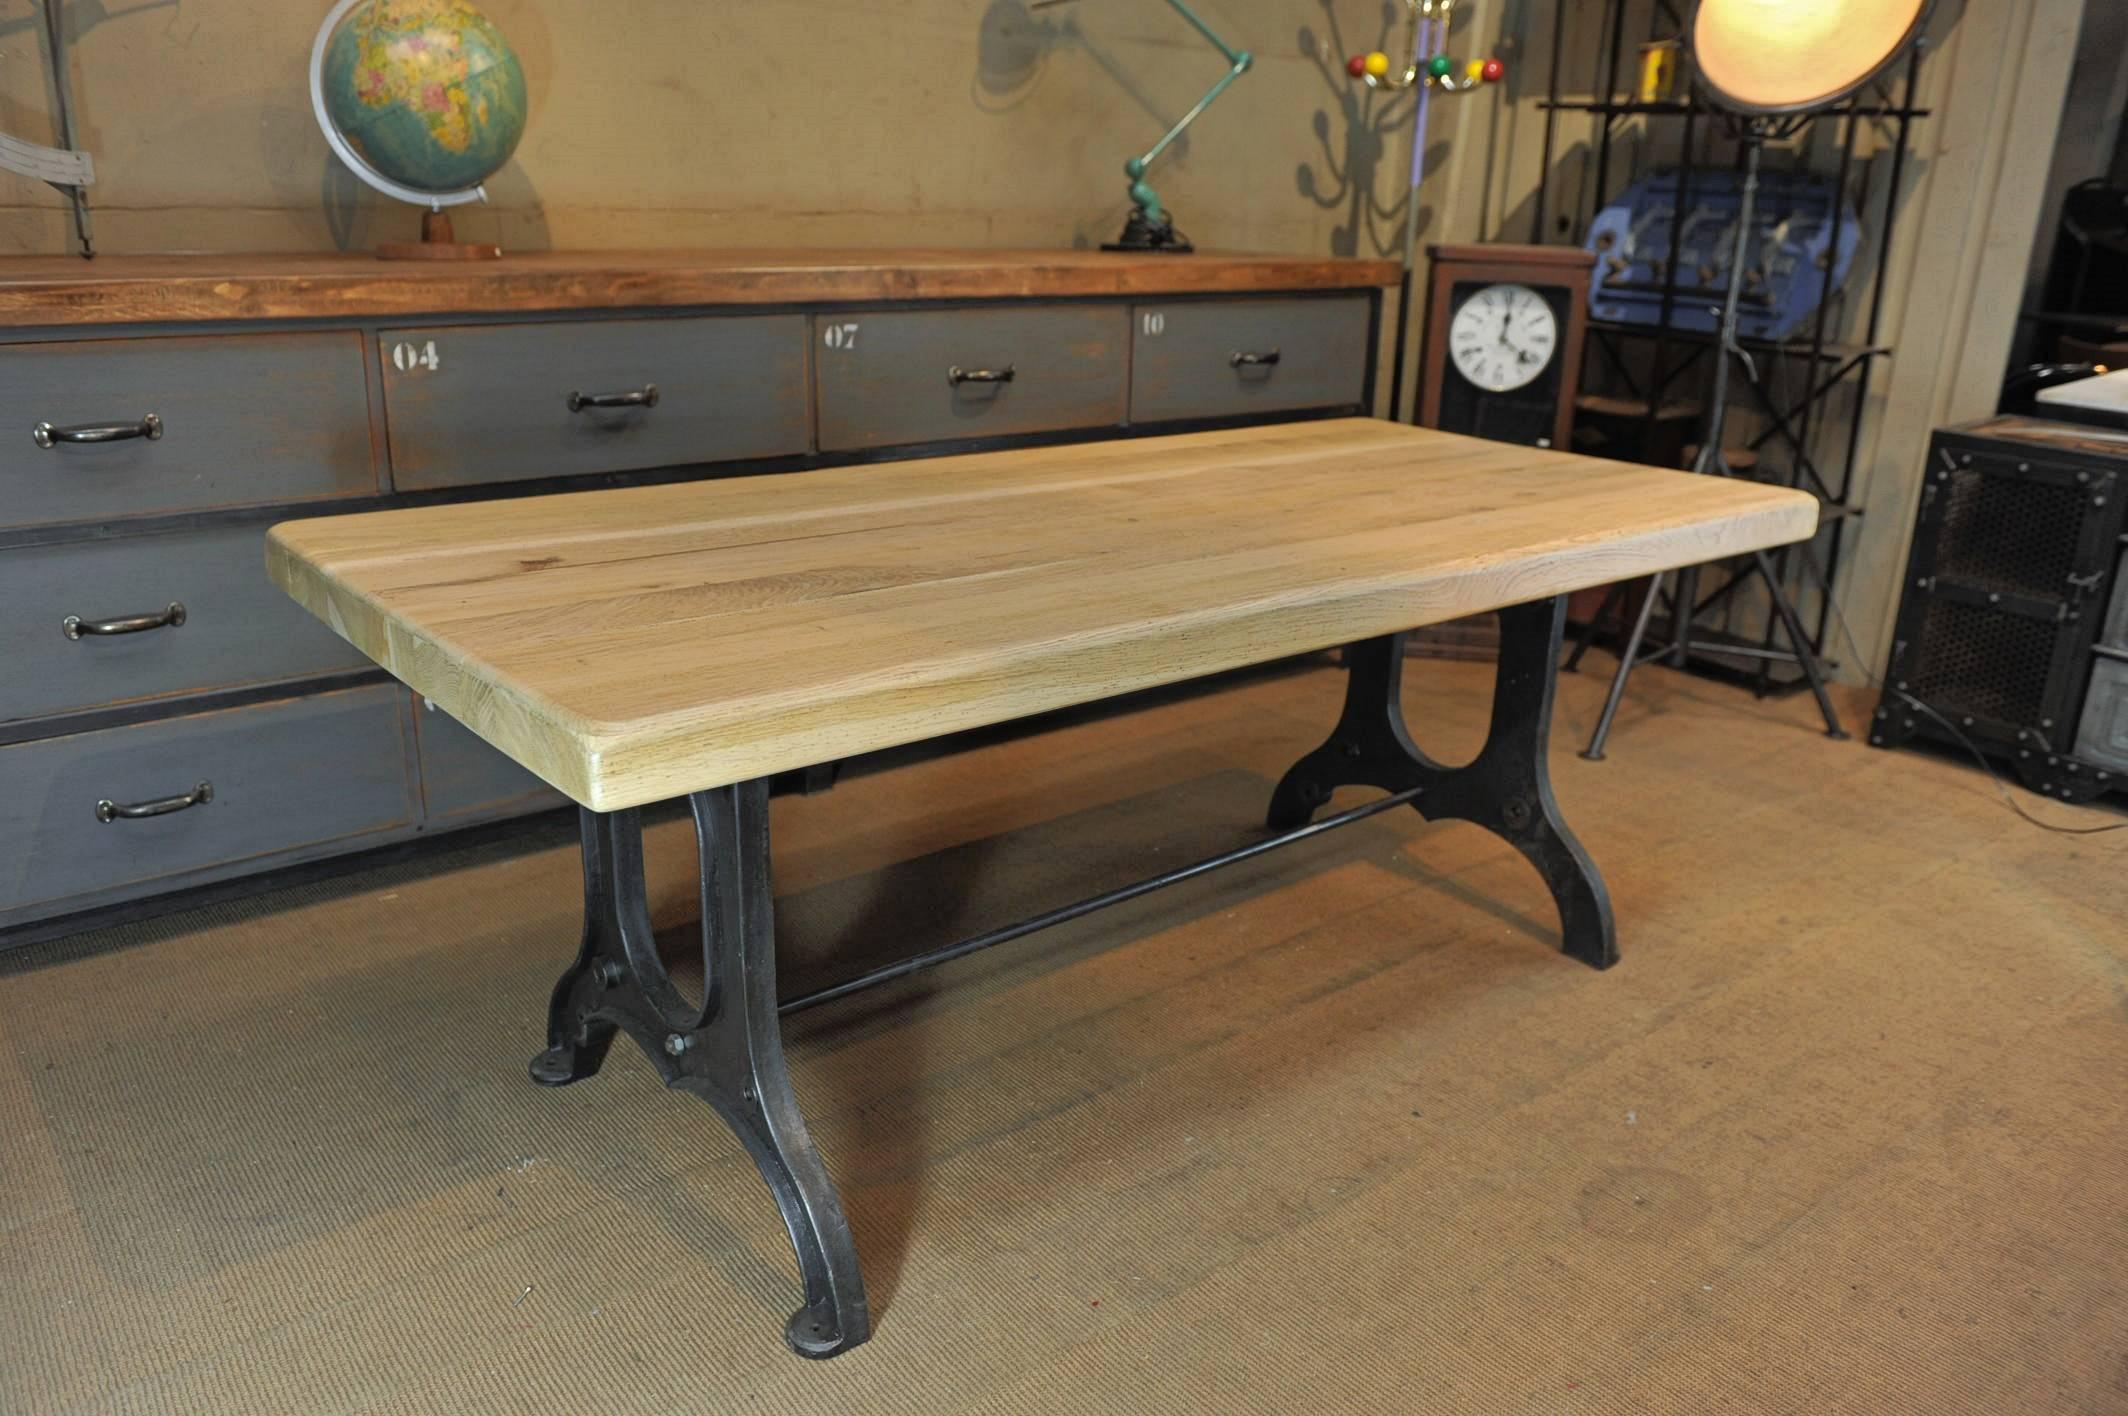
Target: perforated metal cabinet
[(2015, 552)]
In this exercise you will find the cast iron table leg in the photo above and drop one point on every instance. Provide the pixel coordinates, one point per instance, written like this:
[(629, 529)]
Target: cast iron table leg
[(729, 1050), (1507, 788)]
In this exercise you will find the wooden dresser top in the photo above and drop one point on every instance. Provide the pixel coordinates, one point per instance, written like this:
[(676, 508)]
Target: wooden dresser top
[(45, 291)]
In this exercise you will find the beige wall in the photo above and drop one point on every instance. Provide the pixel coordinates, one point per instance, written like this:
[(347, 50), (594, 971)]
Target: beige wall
[(730, 123), (952, 122)]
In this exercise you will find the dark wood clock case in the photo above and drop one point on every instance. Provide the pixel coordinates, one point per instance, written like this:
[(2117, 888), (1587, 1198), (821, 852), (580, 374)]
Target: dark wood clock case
[(1545, 407)]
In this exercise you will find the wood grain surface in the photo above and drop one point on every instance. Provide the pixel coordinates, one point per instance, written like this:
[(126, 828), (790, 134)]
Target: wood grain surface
[(61, 290), (635, 644)]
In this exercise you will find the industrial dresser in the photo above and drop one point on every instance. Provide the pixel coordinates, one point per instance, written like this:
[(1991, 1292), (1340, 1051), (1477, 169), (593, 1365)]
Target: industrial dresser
[(170, 723)]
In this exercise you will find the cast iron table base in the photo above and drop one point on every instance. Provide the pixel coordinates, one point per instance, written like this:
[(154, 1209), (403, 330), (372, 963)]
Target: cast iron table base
[(729, 1050)]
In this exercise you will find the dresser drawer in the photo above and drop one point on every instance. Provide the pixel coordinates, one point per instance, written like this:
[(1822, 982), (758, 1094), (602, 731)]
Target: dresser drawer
[(235, 627), (285, 776), (909, 376), (1221, 358), (494, 404), (462, 777), (240, 420)]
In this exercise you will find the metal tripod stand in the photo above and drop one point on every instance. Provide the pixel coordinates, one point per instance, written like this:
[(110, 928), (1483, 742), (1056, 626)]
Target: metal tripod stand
[(1753, 132)]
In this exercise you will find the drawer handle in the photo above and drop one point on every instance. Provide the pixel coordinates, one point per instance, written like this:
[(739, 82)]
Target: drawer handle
[(956, 376), (109, 811), (150, 427), (74, 626), (644, 397), (1245, 359)]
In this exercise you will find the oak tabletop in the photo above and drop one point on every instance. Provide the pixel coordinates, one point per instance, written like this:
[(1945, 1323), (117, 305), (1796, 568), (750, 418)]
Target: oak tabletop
[(636, 644)]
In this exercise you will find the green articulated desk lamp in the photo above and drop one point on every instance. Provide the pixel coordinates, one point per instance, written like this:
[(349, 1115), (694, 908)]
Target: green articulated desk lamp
[(1150, 226)]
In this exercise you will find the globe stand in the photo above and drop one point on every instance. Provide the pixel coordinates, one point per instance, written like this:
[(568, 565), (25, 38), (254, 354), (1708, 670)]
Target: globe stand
[(438, 243)]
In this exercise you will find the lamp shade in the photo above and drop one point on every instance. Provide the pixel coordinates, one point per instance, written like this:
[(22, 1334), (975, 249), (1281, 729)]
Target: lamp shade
[(1791, 56)]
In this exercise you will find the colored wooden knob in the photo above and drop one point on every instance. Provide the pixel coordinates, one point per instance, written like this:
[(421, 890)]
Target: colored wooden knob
[(1493, 71), (1356, 65), (1378, 63), (1474, 70), (1440, 65)]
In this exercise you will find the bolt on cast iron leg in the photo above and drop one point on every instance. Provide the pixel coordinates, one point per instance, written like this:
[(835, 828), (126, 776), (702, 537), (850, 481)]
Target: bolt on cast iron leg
[(1506, 788), (729, 1050)]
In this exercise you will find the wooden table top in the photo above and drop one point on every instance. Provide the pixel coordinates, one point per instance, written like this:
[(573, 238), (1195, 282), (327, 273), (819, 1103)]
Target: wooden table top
[(66, 290), (635, 644)]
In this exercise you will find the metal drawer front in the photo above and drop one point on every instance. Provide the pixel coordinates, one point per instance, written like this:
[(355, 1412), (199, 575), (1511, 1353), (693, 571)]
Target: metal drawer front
[(281, 776), (1223, 358), (2102, 736), (237, 420), (508, 403), (93, 623), (906, 376), (461, 776), (2116, 632)]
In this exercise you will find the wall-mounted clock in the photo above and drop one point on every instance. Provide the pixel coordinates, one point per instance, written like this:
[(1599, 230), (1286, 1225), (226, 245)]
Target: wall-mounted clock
[(1501, 357)]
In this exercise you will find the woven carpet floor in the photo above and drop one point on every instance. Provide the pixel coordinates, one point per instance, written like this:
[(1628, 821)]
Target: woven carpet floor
[(1337, 1130)]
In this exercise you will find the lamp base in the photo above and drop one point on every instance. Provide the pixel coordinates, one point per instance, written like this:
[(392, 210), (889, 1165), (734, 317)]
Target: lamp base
[(1140, 233), (437, 244)]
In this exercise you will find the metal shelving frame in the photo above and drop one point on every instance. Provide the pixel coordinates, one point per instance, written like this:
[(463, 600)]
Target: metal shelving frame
[(1791, 422)]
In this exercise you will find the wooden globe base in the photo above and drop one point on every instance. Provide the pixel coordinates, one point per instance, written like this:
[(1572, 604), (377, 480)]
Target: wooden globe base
[(437, 243)]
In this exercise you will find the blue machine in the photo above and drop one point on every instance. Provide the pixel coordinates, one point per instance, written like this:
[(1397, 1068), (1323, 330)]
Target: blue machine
[(1785, 271)]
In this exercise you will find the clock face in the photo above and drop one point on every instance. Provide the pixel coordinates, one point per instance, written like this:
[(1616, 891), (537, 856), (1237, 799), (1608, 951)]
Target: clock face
[(1502, 337)]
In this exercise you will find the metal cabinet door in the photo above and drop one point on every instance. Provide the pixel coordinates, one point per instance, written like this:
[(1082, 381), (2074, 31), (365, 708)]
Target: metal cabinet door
[(1997, 619)]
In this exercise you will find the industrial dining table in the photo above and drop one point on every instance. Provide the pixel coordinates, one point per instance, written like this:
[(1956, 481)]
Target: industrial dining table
[(692, 640)]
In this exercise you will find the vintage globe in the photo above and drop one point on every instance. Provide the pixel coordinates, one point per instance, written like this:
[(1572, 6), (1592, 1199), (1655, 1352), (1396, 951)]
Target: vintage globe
[(426, 92)]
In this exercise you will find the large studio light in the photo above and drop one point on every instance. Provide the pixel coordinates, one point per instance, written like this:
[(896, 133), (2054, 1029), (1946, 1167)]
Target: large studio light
[(1779, 57), (1766, 66)]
